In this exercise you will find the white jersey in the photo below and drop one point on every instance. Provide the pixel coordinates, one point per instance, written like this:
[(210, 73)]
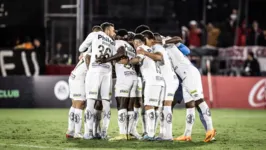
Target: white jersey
[(80, 70), (150, 70), (179, 61), (165, 65), (98, 45), (124, 72)]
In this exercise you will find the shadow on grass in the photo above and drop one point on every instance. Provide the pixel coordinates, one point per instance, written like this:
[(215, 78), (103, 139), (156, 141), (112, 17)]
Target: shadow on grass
[(133, 144)]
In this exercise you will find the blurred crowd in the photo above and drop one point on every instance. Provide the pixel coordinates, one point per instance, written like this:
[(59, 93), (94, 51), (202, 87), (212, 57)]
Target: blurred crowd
[(233, 31)]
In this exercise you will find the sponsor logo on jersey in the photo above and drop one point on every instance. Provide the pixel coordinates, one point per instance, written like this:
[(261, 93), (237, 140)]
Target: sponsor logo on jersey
[(257, 94), (124, 91), (129, 73), (76, 95), (106, 39), (153, 100), (93, 93), (159, 78), (100, 65), (170, 94), (61, 90), (9, 93)]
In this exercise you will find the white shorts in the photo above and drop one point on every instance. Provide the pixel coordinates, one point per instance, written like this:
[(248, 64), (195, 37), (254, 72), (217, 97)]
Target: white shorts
[(77, 88), (192, 85), (153, 95), (98, 85), (139, 87), (126, 90)]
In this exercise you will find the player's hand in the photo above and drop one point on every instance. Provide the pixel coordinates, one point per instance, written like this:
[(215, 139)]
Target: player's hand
[(80, 56), (101, 60), (123, 61), (141, 51)]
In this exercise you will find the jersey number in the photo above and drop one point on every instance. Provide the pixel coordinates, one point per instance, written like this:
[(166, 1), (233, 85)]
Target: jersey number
[(104, 52)]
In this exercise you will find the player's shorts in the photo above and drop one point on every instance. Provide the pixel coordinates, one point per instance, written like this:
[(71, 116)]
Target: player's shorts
[(126, 90), (77, 88), (139, 87), (153, 95), (98, 85), (192, 85)]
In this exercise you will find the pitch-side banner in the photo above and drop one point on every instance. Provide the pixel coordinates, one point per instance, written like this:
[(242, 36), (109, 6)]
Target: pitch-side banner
[(236, 92), (238, 54)]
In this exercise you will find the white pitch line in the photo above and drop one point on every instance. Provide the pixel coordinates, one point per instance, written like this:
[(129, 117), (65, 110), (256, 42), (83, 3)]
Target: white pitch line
[(37, 146)]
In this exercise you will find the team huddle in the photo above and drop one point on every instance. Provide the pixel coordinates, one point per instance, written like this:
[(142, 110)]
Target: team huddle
[(148, 69)]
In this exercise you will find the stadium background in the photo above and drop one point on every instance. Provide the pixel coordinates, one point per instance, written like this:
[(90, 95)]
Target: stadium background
[(37, 77)]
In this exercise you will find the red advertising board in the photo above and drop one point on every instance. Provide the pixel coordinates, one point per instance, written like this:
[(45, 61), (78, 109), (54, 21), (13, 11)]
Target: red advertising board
[(236, 92)]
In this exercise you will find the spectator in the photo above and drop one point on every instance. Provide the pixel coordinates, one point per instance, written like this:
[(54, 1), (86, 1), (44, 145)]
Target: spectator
[(251, 66), (253, 37), (213, 34), (194, 35), (242, 34), (27, 45), (185, 33), (59, 57), (262, 39), (40, 54)]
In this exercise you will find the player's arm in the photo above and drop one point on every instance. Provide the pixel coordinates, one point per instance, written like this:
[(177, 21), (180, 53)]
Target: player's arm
[(137, 60), (87, 42), (121, 52), (87, 60), (157, 56)]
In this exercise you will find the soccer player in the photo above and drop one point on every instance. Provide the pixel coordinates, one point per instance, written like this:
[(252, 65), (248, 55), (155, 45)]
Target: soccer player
[(77, 94), (192, 93), (139, 102), (125, 87), (99, 76), (153, 83), (171, 84)]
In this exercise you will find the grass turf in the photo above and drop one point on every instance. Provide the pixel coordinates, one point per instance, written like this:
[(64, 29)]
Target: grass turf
[(45, 129)]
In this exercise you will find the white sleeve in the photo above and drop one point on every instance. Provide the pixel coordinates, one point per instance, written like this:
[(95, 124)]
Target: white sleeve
[(158, 48), (87, 43)]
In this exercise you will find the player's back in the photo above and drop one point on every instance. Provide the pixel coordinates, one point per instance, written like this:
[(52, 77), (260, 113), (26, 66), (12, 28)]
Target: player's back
[(101, 46), (165, 65), (125, 71), (150, 70)]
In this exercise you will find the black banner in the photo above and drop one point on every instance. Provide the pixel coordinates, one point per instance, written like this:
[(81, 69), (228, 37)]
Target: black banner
[(19, 62), (41, 92)]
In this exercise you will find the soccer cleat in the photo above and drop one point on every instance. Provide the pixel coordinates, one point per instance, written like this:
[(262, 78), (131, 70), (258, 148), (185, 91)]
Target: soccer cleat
[(104, 136), (145, 133), (88, 136), (78, 136), (135, 135), (148, 138), (183, 138), (119, 137), (69, 134), (97, 136), (210, 135)]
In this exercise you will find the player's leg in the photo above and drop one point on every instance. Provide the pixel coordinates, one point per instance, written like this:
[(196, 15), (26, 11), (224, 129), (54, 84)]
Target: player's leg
[(204, 108), (143, 112), (151, 100), (167, 115), (71, 123), (190, 116), (92, 94), (106, 92), (122, 100), (97, 119), (78, 117)]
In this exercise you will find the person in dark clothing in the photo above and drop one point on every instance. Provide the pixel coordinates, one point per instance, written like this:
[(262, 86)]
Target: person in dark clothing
[(251, 66)]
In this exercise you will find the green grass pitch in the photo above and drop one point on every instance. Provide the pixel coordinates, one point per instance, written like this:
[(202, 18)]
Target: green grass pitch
[(45, 129)]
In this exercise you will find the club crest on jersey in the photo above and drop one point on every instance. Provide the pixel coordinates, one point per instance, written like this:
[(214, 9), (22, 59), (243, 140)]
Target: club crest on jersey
[(106, 39)]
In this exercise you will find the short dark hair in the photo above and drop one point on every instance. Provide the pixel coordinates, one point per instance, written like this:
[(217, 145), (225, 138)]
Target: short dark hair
[(98, 28), (121, 32), (139, 37), (148, 34), (251, 54), (131, 35), (106, 25), (157, 36), (141, 28)]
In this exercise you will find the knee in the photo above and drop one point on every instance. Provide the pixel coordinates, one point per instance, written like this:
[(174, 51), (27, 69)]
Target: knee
[(79, 104), (122, 103), (167, 103), (137, 103), (197, 102), (190, 104), (98, 105)]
